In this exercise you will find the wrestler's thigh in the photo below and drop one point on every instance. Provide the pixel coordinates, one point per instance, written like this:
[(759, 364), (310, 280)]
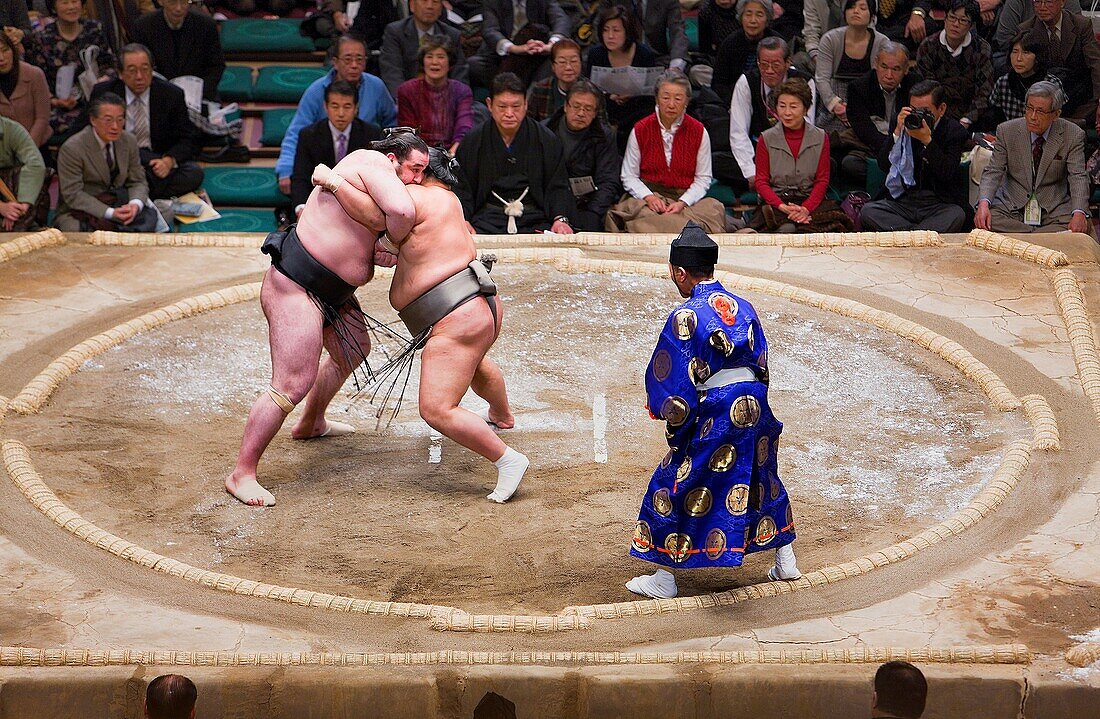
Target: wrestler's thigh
[(453, 352), (355, 328), (294, 330)]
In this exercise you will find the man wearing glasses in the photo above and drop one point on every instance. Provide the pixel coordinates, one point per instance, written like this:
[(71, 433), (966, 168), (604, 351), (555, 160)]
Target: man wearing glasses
[(183, 41), (960, 61), (1070, 44), (1036, 180), (375, 103)]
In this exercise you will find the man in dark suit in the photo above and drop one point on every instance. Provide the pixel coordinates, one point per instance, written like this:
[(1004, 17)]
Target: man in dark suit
[(874, 100), (328, 141), (100, 158), (518, 35), (183, 42), (1070, 44), (1036, 181), (925, 189), (401, 43), (156, 114)]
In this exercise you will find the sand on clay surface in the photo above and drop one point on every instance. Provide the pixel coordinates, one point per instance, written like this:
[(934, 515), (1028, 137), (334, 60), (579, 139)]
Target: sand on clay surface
[(140, 439)]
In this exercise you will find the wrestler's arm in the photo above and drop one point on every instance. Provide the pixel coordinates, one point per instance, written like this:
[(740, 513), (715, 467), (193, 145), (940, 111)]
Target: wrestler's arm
[(370, 184), (675, 398)]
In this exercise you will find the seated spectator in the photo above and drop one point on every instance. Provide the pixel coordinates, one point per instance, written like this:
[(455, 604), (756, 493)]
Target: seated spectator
[(1070, 43), (265, 8), (511, 171), (900, 692), (819, 17), (175, 34), (24, 173), (792, 170), (375, 104), (660, 25), (874, 101), (619, 47), (57, 44), (102, 183), (370, 24), (1036, 180), (328, 141), (170, 696), (517, 38), (156, 115), (24, 95), (752, 111), (961, 62), (591, 159), (718, 19), (116, 18), (925, 188), (667, 168), (1027, 66), (737, 54), (441, 108), (844, 54), (1010, 16), (402, 41), (547, 96), (16, 21), (904, 21)]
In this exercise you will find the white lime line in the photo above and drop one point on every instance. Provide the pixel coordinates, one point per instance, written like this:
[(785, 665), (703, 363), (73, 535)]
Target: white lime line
[(599, 427), (435, 450)]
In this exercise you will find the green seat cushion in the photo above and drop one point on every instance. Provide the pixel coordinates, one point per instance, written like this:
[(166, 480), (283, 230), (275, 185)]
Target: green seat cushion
[(750, 198), (249, 186), (691, 29), (280, 83), (236, 83), (275, 124), (722, 193), (258, 35), (876, 178), (235, 221)]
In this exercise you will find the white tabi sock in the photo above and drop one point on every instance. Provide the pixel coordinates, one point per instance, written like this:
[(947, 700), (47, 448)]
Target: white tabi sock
[(510, 469), (785, 565), (659, 585)]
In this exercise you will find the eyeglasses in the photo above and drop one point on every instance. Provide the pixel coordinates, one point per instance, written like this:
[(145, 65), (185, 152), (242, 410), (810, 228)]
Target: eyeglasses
[(357, 59), (568, 61), (962, 21), (1029, 110), (773, 65), (586, 109)]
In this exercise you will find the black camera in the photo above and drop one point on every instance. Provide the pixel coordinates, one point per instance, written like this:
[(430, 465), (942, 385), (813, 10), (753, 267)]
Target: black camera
[(918, 116)]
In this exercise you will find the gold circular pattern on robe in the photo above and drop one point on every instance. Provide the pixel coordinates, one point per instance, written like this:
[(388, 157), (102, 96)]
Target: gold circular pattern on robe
[(675, 410), (662, 505), (752, 337), (678, 546), (716, 543), (790, 515), (666, 460), (762, 451), (737, 501), (643, 538), (720, 341), (708, 425), (724, 306), (722, 458), (773, 482), (765, 531), (699, 369), (745, 411), (683, 470), (662, 365), (698, 502), (686, 322)]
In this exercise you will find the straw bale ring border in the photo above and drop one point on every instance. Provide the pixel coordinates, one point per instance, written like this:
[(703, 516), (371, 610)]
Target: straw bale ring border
[(29, 243)]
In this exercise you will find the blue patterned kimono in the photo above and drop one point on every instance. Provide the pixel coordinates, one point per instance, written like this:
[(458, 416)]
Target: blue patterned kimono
[(716, 494)]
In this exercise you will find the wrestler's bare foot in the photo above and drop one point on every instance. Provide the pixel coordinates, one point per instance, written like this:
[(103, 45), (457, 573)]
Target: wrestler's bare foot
[(249, 491), (510, 470), (502, 422), (324, 428)]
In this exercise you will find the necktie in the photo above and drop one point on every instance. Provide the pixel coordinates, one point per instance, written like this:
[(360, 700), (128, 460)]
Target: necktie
[(519, 15), (886, 8), (112, 168), (1037, 154), (341, 146), (140, 121)]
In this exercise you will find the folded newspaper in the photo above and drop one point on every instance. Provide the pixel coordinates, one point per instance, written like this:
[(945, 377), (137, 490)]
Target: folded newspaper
[(626, 81)]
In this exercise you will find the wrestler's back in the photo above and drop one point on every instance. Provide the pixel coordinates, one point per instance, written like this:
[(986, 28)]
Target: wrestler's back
[(438, 246), (336, 240)]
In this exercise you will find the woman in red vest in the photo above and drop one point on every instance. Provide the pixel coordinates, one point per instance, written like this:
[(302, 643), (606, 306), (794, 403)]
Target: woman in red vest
[(792, 170), (667, 168)]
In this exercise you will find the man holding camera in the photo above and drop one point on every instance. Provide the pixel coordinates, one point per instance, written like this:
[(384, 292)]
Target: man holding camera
[(925, 188)]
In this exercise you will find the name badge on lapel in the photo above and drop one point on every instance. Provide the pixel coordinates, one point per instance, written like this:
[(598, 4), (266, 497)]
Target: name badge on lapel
[(581, 186), (1033, 214)]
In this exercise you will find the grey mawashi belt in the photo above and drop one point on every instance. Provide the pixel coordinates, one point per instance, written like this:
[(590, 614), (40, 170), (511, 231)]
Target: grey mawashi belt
[(441, 300)]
